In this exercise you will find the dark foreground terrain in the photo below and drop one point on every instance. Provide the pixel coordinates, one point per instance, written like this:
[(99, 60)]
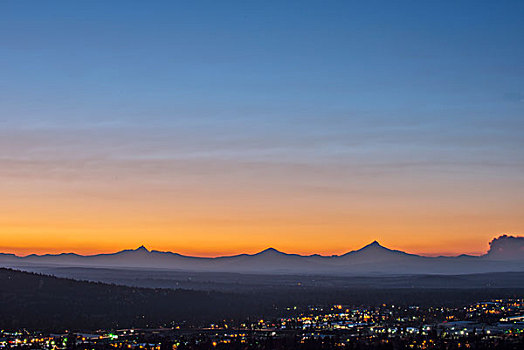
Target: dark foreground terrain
[(34, 301)]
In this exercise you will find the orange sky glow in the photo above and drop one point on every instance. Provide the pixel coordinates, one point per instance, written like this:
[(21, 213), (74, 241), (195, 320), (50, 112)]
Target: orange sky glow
[(229, 216), (229, 128)]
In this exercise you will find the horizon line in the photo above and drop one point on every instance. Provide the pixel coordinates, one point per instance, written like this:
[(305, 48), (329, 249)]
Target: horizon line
[(375, 242)]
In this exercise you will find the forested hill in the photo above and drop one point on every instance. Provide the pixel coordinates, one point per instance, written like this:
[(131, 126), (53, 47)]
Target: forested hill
[(37, 301)]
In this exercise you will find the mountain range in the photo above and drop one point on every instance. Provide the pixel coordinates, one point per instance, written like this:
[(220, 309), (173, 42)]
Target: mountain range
[(506, 253)]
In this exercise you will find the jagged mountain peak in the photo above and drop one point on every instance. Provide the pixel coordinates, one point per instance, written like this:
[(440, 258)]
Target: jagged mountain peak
[(373, 245), (269, 251), (373, 250), (142, 249)]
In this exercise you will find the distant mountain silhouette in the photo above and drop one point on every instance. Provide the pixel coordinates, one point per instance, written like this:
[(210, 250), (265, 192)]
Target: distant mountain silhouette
[(504, 255)]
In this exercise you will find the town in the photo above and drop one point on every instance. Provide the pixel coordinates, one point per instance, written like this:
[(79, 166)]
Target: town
[(493, 324)]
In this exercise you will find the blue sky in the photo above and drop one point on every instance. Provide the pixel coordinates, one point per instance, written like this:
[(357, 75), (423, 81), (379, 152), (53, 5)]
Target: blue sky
[(337, 96)]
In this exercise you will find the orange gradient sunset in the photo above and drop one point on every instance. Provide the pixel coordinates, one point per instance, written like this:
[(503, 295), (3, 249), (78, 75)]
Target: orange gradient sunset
[(304, 128), (199, 201)]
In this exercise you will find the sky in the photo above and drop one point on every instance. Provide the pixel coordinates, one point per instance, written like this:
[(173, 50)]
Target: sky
[(219, 127)]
